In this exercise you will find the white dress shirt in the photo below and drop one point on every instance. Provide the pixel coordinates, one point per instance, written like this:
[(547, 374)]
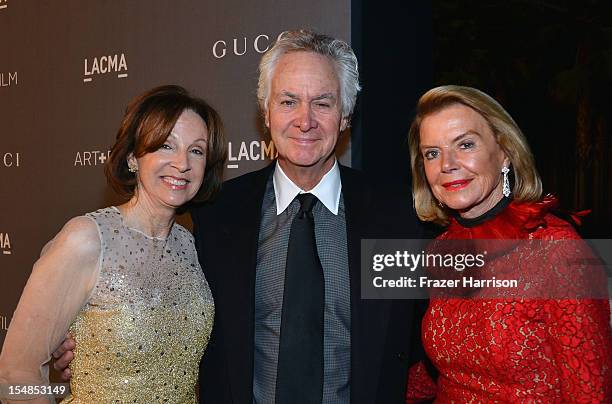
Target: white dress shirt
[(327, 191)]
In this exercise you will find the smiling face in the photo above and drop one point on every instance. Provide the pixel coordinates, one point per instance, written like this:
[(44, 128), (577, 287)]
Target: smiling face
[(462, 160), (172, 175), (304, 114)]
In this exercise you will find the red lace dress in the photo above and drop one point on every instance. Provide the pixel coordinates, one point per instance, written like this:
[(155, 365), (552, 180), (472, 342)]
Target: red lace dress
[(516, 350)]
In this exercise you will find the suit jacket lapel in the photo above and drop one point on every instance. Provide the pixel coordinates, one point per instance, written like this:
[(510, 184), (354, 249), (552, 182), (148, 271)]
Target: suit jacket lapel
[(369, 318), (240, 282)]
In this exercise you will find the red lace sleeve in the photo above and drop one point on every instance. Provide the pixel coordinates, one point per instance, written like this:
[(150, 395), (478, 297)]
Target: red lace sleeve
[(580, 336), (582, 348), (420, 387)]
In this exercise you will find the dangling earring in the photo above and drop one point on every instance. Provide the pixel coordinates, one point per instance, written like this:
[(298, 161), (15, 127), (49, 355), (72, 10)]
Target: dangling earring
[(440, 204), (132, 167), (506, 182)]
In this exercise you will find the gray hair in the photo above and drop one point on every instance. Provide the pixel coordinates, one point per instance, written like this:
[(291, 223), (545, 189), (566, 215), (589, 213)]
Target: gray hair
[(337, 50)]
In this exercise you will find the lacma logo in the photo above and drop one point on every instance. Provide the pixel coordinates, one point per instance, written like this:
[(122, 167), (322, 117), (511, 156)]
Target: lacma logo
[(91, 158), (5, 244), (8, 79), (111, 64), (3, 4), (9, 159), (240, 46), (255, 150)]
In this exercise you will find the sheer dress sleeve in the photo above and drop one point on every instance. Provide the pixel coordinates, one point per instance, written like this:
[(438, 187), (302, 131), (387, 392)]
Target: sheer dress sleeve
[(61, 282)]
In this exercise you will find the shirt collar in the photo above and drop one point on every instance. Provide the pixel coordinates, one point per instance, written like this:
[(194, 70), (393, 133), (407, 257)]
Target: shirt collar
[(327, 190)]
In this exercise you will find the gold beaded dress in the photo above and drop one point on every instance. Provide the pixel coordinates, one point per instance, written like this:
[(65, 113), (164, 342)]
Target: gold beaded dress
[(138, 307), (142, 333)]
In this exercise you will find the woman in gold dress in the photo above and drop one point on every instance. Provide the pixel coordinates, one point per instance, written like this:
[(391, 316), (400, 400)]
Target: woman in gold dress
[(125, 280)]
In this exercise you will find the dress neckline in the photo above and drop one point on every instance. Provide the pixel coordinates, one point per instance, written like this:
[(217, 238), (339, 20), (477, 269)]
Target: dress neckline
[(507, 220), (491, 213), (152, 238)]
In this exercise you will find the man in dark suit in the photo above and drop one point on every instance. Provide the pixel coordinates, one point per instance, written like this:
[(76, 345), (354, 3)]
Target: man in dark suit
[(307, 90)]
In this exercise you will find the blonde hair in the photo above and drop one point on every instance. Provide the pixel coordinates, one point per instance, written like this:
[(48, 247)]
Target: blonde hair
[(527, 183)]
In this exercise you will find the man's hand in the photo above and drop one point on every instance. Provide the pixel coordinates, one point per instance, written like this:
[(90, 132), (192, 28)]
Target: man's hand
[(63, 356)]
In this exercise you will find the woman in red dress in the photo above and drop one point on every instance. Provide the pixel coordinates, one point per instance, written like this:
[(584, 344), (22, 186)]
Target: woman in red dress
[(474, 173)]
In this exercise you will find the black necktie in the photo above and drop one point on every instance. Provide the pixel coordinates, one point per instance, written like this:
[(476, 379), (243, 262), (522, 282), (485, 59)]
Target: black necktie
[(299, 377)]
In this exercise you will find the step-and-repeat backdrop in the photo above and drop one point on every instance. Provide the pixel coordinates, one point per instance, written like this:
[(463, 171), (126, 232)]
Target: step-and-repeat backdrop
[(68, 69)]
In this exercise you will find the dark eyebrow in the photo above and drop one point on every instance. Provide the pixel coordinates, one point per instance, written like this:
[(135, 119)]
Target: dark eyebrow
[(201, 139), (461, 136), (455, 140), (325, 96), (288, 94)]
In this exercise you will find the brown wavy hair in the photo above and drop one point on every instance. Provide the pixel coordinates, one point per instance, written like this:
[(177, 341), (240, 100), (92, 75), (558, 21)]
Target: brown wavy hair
[(147, 123)]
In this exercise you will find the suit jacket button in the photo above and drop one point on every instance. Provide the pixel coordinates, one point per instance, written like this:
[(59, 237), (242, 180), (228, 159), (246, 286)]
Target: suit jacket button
[(402, 356)]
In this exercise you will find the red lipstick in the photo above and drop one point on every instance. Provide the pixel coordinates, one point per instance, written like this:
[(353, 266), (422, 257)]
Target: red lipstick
[(456, 185)]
